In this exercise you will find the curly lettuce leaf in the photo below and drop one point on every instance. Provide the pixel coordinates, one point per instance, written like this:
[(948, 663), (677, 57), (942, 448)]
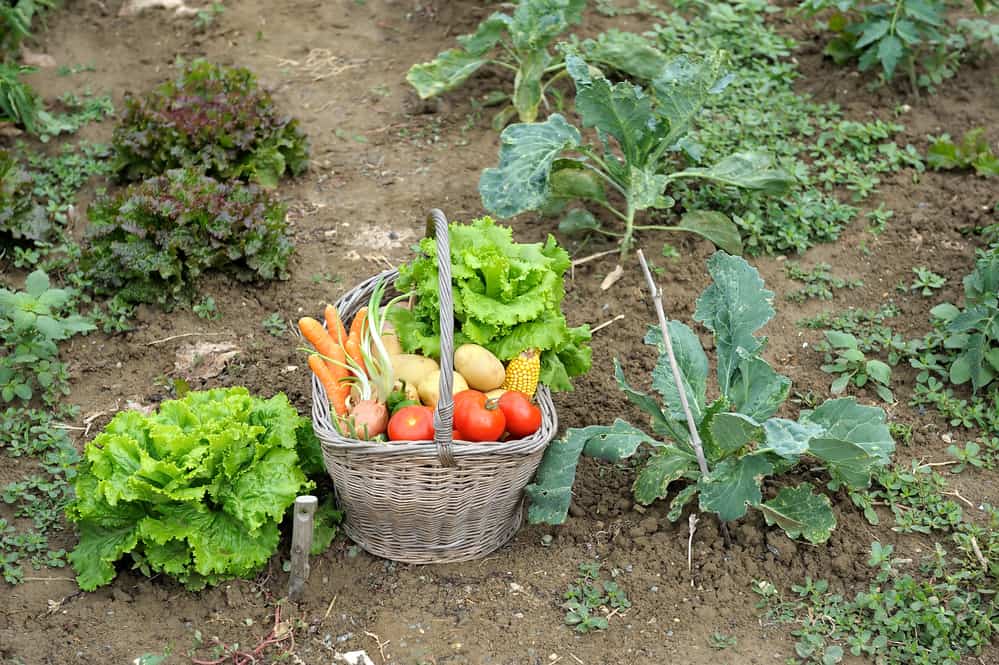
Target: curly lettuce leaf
[(507, 298), (195, 490)]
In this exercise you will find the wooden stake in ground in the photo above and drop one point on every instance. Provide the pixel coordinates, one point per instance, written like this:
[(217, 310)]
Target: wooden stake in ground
[(695, 438), (301, 543)]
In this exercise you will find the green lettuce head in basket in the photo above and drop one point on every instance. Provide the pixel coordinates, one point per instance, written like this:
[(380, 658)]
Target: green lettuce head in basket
[(507, 298)]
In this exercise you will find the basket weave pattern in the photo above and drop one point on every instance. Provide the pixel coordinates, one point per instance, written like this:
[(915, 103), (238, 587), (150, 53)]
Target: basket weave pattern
[(429, 501)]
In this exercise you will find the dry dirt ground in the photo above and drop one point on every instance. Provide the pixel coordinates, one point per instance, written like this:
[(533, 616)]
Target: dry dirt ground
[(381, 159)]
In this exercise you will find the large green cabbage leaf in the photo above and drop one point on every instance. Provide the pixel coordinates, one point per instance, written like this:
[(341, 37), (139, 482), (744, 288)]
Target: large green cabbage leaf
[(507, 298), (195, 490)]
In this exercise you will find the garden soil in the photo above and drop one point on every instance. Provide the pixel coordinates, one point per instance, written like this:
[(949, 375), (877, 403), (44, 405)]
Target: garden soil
[(381, 160)]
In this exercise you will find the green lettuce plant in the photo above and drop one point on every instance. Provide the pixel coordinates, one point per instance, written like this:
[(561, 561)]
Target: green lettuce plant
[(213, 118), (507, 298), (195, 491), (740, 441), (152, 242), (640, 137)]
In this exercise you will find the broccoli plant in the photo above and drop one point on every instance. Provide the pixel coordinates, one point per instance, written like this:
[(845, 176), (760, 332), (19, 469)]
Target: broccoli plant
[(739, 440), (213, 118), (543, 166)]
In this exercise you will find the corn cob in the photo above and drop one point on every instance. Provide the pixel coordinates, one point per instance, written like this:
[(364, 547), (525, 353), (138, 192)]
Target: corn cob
[(523, 371)]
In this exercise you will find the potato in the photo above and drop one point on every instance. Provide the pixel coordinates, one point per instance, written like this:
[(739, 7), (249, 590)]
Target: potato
[(495, 394), (481, 369), (412, 368), (391, 344), (430, 387)]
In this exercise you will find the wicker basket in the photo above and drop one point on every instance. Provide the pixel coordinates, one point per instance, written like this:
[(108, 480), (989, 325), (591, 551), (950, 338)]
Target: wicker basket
[(430, 501)]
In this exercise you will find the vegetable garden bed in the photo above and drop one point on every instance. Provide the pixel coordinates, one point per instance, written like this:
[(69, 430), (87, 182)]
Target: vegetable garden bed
[(380, 157)]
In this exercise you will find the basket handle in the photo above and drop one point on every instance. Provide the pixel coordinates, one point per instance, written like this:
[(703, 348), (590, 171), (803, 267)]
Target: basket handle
[(444, 413)]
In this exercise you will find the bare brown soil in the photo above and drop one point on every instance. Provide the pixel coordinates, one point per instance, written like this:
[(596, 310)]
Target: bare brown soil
[(381, 159)]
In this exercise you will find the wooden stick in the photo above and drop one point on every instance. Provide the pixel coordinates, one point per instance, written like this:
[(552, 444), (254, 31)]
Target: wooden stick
[(593, 257), (606, 323), (695, 438), (301, 543)]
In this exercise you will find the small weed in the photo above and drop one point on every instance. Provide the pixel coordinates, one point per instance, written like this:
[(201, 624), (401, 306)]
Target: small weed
[(721, 641), (845, 359), (980, 454), (206, 309), (589, 602), (206, 17), (275, 324), (926, 281), (819, 282)]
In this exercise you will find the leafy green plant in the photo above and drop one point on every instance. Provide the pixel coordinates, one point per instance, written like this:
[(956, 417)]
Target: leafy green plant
[(275, 324), (845, 359), (205, 17), (213, 118), (154, 240), (544, 166), (907, 35), (737, 442), (31, 322), (37, 498), (973, 151), (819, 282), (587, 596), (934, 617), (16, 17), (21, 217), (972, 333), (915, 496), (762, 109), (519, 42), (19, 104), (927, 281), (206, 309), (507, 298), (719, 641), (194, 491)]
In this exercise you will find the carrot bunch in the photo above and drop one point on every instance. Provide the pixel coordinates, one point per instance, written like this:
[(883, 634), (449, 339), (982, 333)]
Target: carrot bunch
[(333, 345)]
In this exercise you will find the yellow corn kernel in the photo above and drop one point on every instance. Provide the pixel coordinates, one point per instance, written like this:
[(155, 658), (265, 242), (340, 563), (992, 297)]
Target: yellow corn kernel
[(522, 372)]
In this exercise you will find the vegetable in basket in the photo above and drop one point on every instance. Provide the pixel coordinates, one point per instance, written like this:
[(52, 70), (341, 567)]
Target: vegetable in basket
[(507, 299)]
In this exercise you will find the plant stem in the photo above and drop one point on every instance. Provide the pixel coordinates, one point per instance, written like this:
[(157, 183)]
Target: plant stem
[(656, 227), (695, 438), (629, 232), (657, 300)]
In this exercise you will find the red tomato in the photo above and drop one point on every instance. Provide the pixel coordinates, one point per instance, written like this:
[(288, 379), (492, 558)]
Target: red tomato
[(412, 423), (477, 418), (522, 417)]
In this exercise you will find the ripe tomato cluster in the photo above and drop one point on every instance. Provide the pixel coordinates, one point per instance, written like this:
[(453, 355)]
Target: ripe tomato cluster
[(476, 418)]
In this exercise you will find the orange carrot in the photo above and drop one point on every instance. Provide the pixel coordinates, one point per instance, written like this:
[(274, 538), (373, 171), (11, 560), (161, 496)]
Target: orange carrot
[(353, 349), (334, 390), (313, 331), (334, 325), (353, 344), (357, 325)]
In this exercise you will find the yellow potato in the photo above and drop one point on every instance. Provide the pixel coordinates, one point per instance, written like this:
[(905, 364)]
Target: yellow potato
[(495, 394), (412, 368), (391, 344), (481, 369), (430, 387)]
